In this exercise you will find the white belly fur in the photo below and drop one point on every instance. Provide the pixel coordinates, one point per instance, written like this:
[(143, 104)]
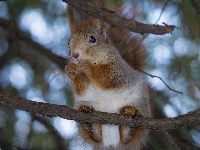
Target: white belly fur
[(111, 102)]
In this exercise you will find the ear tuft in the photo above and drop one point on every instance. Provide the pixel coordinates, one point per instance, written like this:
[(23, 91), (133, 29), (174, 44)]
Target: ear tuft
[(95, 22), (100, 25), (70, 15), (104, 28)]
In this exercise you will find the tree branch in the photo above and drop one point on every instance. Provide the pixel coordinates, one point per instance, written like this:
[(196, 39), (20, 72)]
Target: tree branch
[(154, 76), (170, 140), (15, 32), (196, 5), (60, 142), (163, 8), (182, 142), (52, 110), (113, 19)]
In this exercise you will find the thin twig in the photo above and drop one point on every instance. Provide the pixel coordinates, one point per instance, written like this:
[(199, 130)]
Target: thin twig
[(170, 140), (154, 76), (60, 142), (163, 8), (61, 61)]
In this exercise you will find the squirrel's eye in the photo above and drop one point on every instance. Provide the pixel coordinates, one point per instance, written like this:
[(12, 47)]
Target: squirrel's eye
[(68, 44), (92, 39)]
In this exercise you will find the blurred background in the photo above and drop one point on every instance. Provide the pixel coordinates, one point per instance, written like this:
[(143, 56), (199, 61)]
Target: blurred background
[(27, 71)]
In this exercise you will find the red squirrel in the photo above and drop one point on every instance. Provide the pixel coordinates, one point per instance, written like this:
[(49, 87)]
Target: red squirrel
[(104, 71)]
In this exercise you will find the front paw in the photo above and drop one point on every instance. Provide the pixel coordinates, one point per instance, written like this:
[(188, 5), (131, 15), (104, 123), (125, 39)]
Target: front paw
[(84, 67), (129, 112), (86, 108), (71, 70)]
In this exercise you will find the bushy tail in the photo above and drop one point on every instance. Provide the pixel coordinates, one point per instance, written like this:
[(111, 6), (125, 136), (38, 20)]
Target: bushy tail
[(129, 46)]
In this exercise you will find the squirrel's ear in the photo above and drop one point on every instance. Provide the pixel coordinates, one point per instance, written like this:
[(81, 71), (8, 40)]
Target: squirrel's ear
[(104, 28), (100, 25), (70, 16), (96, 22)]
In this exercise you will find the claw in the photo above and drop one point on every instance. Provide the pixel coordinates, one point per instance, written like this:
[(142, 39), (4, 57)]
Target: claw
[(86, 109)]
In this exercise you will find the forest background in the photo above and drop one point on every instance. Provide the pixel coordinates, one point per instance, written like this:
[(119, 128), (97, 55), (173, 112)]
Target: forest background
[(34, 50)]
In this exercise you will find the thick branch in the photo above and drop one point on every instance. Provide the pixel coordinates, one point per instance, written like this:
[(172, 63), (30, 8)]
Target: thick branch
[(52, 110), (60, 142), (113, 19), (39, 48), (196, 5)]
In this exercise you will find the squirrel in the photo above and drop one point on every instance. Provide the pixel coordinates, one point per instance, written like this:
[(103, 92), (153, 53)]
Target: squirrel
[(104, 64)]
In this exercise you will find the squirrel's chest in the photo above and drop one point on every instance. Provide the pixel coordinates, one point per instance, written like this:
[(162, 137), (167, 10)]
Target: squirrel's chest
[(108, 101)]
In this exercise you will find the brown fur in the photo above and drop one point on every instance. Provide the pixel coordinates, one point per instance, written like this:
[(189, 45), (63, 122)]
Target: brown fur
[(90, 132), (107, 75), (129, 46), (80, 81), (128, 134), (102, 76)]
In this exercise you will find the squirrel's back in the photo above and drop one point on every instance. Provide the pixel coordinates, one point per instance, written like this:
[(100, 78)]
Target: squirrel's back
[(129, 46)]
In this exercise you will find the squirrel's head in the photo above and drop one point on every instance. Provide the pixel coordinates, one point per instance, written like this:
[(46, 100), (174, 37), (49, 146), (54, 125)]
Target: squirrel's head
[(88, 40)]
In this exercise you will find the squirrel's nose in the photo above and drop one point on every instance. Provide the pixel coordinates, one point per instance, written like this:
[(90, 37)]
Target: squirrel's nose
[(75, 55)]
